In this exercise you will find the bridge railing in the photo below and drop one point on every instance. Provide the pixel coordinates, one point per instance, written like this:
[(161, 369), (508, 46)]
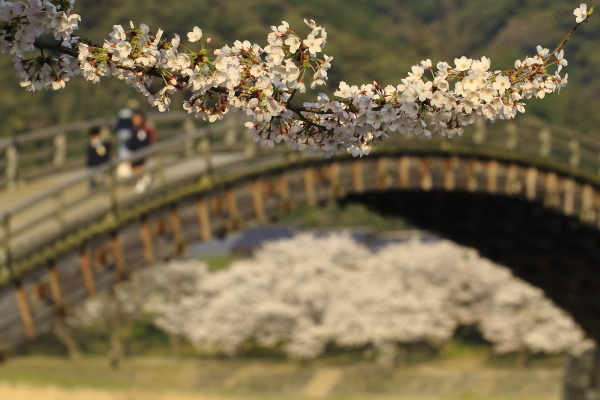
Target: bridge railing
[(523, 139), (34, 154)]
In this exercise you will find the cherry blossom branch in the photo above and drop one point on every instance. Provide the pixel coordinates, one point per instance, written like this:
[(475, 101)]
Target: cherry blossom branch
[(262, 81)]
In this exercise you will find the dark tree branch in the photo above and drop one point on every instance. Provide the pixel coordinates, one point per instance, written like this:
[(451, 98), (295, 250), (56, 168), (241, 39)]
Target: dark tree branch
[(43, 45), (309, 122)]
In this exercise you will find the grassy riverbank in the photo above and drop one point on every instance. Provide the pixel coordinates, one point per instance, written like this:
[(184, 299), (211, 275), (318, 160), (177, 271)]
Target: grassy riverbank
[(144, 378)]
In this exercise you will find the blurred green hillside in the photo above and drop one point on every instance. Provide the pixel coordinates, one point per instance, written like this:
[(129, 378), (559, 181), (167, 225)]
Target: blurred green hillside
[(369, 40)]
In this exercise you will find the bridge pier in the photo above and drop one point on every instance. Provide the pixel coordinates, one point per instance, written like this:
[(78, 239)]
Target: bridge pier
[(257, 199), (204, 220), (335, 189), (175, 225), (146, 236), (582, 377), (357, 176), (86, 270), (54, 284), (25, 310), (309, 186), (115, 245)]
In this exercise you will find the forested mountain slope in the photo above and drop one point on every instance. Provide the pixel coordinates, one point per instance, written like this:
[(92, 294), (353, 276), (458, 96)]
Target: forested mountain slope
[(369, 40)]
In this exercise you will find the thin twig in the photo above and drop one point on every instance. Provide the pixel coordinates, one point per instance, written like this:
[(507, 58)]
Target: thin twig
[(565, 40), (537, 68)]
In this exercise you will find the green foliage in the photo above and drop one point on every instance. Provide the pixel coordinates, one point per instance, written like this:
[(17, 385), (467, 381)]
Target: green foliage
[(369, 40), (218, 262), (342, 216)]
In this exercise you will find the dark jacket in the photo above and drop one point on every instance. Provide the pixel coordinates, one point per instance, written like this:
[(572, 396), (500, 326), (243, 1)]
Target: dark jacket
[(141, 136), (98, 152)]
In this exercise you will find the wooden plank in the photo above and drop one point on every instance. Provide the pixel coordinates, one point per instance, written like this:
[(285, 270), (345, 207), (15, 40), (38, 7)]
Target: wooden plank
[(285, 201), (383, 178), (492, 176), (309, 186), (448, 167), (404, 172), (147, 242), (471, 176), (531, 183), (25, 311), (595, 217), (86, 271), (551, 196), (569, 196), (231, 203), (54, 284), (115, 245), (357, 176), (334, 181), (513, 186), (204, 218), (174, 221), (284, 187), (426, 177), (586, 212), (232, 210), (257, 200)]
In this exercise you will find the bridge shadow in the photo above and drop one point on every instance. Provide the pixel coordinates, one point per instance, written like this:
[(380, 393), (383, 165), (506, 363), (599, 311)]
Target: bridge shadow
[(554, 252)]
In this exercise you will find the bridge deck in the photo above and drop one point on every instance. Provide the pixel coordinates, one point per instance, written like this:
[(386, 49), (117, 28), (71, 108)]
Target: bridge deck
[(12, 197)]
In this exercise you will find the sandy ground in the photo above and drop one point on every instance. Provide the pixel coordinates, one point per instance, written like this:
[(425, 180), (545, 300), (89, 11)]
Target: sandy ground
[(28, 392)]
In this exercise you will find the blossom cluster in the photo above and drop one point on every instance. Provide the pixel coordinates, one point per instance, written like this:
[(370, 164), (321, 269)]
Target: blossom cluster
[(262, 81), (21, 24), (344, 293)]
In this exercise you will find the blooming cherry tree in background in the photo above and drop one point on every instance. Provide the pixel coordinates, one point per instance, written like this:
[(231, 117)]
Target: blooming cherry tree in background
[(149, 294), (342, 293), (520, 319), (262, 81), (111, 314), (466, 279)]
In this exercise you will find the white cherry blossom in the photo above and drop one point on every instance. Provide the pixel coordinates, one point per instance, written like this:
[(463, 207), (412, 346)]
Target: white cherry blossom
[(580, 13), (261, 81), (302, 293), (195, 35)]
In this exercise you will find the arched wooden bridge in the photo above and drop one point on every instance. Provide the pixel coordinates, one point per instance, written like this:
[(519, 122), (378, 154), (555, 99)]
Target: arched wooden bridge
[(524, 194)]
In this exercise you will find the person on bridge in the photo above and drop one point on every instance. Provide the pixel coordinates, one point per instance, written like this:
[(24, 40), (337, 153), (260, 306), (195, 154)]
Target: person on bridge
[(141, 137), (98, 152), (123, 126)]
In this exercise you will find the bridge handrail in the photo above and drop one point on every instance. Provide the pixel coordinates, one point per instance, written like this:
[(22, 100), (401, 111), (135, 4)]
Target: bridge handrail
[(100, 170), (82, 125), (526, 138), (57, 148)]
